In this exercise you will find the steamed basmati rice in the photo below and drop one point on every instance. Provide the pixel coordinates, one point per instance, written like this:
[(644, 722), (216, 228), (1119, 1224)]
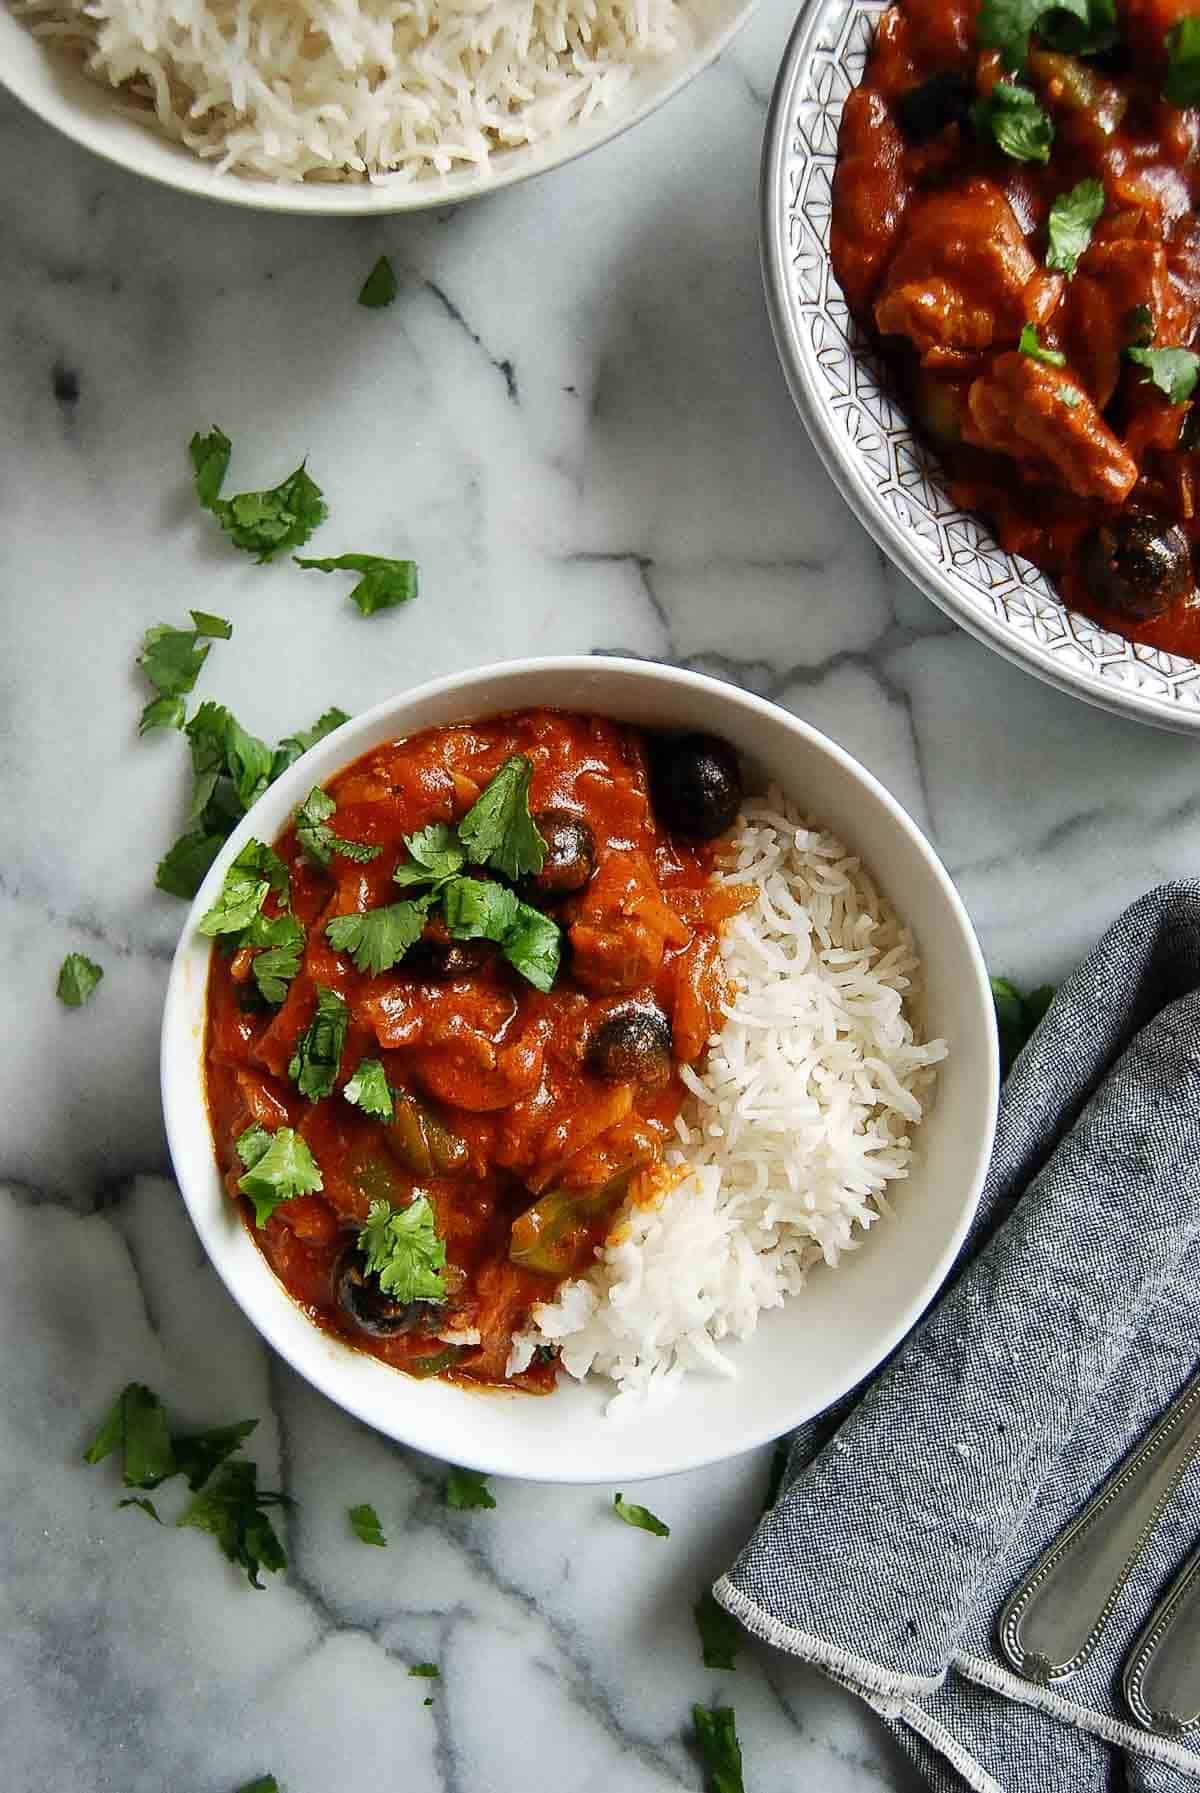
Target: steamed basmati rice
[(795, 1124), (366, 89)]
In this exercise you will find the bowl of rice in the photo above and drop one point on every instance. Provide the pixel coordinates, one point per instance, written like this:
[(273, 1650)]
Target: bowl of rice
[(830, 1151), (291, 106)]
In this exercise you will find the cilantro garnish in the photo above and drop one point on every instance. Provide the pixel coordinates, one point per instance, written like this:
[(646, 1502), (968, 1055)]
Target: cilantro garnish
[(279, 1166), (477, 910), (641, 1517), (403, 1250), (379, 939), (384, 583), (368, 1089), (467, 1489), (210, 463), (716, 1735), (1017, 1016), (184, 867), (534, 946), (379, 288), (1078, 32), (1173, 371), (437, 854), (1029, 345), (317, 837), (282, 941), (171, 659), (254, 873), (292, 746), (364, 1522), (77, 979), (1013, 120), (143, 1505), (720, 1633), (498, 830), (1005, 25), (234, 1509), (135, 1425), (318, 1054), (1072, 219), (1182, 85), (262, 523), (222, 748), (426, 1671)]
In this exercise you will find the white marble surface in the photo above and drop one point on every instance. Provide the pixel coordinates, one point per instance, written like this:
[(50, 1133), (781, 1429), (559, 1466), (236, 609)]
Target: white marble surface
[(574, 419)]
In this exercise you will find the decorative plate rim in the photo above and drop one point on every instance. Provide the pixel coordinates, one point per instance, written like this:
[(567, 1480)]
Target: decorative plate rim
[(812, 82)]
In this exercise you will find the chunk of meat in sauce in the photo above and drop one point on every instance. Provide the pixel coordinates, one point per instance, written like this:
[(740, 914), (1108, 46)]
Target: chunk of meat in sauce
[(870, 195), (1111, 281), (620, 927), (1018, 408)]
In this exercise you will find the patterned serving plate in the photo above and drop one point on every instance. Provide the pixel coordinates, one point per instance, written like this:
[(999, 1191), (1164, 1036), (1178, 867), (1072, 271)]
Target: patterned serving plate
[(887, 476)]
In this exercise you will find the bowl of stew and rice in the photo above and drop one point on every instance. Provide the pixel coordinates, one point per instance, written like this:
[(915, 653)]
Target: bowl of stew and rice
[(579, 1069)]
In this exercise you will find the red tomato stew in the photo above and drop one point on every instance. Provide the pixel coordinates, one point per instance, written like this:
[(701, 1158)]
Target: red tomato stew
[(1014, 224), (446, 1017)]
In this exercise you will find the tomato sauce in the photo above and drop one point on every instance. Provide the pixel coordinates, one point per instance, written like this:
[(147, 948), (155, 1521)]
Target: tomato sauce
[(500, 1069)]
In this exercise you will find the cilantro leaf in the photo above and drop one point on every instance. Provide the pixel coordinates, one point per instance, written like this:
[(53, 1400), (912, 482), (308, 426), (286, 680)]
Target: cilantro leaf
[(479, 910), (221, 747), (379, 288), (1173, 371), (368, 1090), (317, 837), (318, 1054), (171, 659), (77, 979), (1182, 85), (242, 895), (384, 584), (1029, 345), (278, 1166), (534, 946), (143, 1504), (716, 1735), (1005, 25), (218, 627), (436, 855), (641, 1517), (266, 1783), (292, 746), (365, 1524), (267, 522), (1012, 119), (720, 1633), (136, 1425), (467, 1489), (234, 1510), (1017, 1016), (184, 867), (199, 1455), (426, 1671), (379, 939), (403, 1249), (1072, 219), (1080, 32), (210, 463), (498, 829), (281, 939)]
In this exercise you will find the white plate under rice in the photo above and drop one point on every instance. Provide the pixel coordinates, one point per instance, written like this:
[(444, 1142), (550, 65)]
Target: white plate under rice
[(799, 1118)]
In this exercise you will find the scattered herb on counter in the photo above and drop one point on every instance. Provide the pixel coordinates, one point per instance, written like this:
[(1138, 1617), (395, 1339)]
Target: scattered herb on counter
[(379, 288), (384, 583), (498, 829), (426, 1671), (403, 1249), (435, 856), (78, 977), (143, 1505), (1073, 217), (1012, 119), (379, 938), (368, 1089), (136, 1426), (317, 838), (279, 1166), (1017, 1016), (1173, 371), (720, 1633), (209, 456), (200, 1454), (318, 1054), (716, 1735), (467, 1489), (1031, 346), (171, 659), (266, 1783), (235, 1510), (641, 1517), (1182, 85), (364, 1523), (262, 523)]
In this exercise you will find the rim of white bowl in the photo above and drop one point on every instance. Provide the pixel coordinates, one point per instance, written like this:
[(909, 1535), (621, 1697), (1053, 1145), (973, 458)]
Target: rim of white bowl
[(173, 165), (179, 1090)]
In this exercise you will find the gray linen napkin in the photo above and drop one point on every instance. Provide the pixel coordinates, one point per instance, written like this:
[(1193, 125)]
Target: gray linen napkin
[(911, 1513)]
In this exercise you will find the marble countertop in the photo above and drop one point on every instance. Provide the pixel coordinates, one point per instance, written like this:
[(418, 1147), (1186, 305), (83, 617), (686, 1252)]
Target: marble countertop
[(574, 419)]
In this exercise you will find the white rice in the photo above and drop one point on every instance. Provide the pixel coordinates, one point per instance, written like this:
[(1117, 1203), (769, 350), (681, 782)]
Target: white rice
[(360, 89), (797, 1121)]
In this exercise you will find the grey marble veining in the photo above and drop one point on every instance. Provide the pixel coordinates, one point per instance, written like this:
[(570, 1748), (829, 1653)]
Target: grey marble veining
[(574, 419)]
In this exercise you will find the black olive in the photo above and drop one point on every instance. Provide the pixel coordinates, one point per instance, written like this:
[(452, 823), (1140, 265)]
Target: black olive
[(570, 852), (632, 1046), (362, 1300), (696, 783), (436, 958), (1137, 566), (945, 99)]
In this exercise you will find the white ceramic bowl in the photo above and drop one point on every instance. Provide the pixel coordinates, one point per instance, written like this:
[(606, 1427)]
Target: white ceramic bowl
[(804, 1354), (54, 86)]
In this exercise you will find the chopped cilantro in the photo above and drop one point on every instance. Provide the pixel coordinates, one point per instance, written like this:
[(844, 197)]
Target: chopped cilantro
[(318, 1054), (279, 1166), (641, 1517), (534, 947), (1005, 25), (720, 1633), (1080, 33), (210, 463), (218, 627), (222, 748), (717, 1738), (379, 939), (1029, 345), (379, 288), (263, 523), (402, 1249), (266, 1783), (436, 854), (281, 939), (317, 837), (136, 1425), (255, 872), (467, 1489), (1017, 1016), (1012, 119), (171, 659), (364, 1522), (200, 1454), (498, 830), (1072, 219), (383, 585), (1182, 85), (292, 746), (368, 1090), (427, 1671), (183, 868), (235, 1510), (143, 1505), (477, 910), (77, 979), (1173, 371)]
